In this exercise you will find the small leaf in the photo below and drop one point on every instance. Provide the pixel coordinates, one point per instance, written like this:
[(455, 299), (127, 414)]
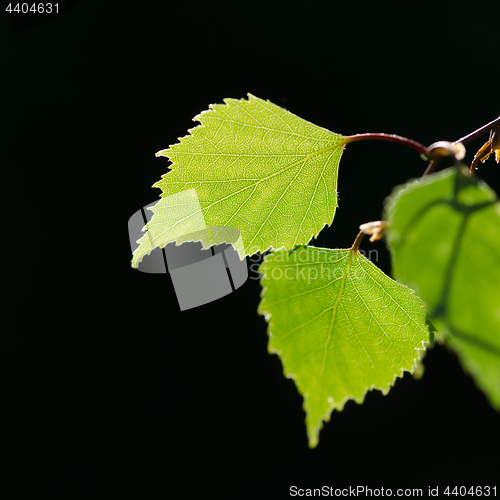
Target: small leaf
[(445, 244), (340, 326), (251, 166)]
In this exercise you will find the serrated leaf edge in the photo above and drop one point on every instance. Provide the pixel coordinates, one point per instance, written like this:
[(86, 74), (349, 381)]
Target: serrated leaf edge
[(338, 406)]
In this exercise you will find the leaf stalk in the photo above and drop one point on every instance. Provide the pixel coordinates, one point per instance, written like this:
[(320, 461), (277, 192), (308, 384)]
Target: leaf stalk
[(416, 146), (357, 242)]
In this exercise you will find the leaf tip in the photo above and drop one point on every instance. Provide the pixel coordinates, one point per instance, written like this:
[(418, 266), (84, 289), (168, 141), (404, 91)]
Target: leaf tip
[(313, 435), (163, 152), (313, 442)]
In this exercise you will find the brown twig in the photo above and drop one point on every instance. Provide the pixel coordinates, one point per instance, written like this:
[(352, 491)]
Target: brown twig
[(416, 146)]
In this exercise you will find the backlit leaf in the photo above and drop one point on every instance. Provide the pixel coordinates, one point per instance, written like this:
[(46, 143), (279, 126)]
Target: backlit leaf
[(340, 326), (253, 167)]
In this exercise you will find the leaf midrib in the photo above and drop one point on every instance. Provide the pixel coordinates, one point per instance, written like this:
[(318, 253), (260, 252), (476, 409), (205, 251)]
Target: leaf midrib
[(329, 336), (291, 133), (204, 210)]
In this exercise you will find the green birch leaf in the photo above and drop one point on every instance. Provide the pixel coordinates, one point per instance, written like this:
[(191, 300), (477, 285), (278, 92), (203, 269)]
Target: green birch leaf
[(340, 326), (445, 244), (251, 168)]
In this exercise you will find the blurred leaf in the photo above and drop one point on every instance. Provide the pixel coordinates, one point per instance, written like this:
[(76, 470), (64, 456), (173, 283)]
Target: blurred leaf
[(445, 244)]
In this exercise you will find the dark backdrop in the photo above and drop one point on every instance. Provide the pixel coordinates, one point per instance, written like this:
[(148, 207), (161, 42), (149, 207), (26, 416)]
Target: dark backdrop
[(111, 391)]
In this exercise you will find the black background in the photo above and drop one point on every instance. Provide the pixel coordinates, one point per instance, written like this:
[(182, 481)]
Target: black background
[(110, 391)]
